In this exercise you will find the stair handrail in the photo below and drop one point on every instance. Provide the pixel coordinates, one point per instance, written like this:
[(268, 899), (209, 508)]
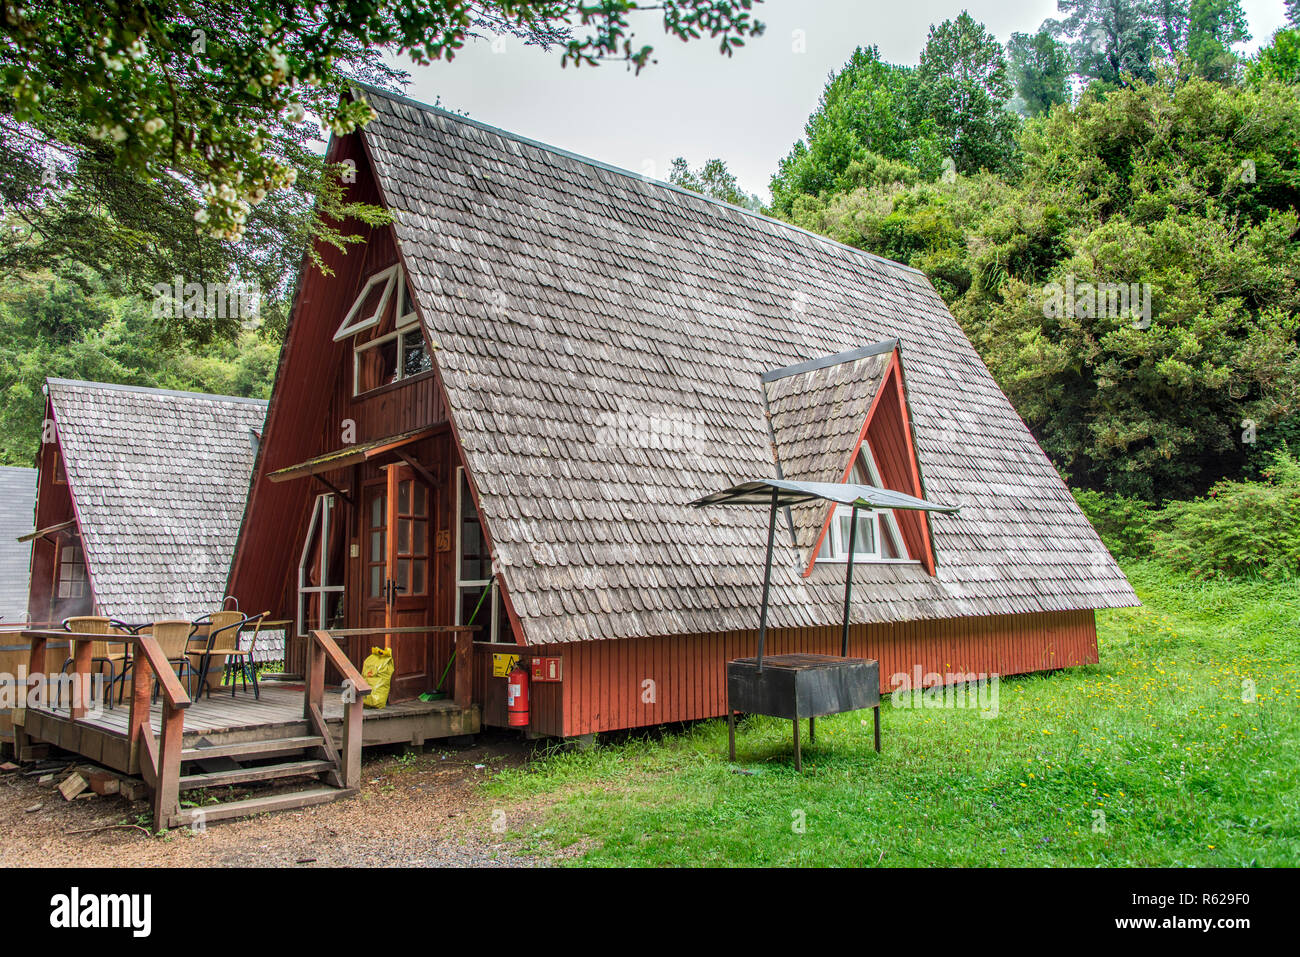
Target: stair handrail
[(347, 761)]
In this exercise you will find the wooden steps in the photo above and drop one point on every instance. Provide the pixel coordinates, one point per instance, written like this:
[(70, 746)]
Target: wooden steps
[(288, 801), (253, 750), (264, 762), (262, 772)]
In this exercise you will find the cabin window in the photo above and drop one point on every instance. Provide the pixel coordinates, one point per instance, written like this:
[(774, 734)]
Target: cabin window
[(392, 347), (474, 568), (368, 308), (72, 581), (321, 568), (60, 477), (878, 538)]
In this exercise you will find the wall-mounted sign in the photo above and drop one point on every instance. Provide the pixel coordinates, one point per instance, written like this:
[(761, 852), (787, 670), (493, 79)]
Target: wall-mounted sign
[(501, 665), (548, 669)]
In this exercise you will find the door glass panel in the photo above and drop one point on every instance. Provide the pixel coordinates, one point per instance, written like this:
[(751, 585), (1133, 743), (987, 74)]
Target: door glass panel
[(404, 576), (404, 497), (377, 549), (404, 536), (421, 506), (420, 545)]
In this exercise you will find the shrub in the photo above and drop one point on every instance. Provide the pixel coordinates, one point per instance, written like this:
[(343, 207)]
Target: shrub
[(1124, 524), (1240, 529)]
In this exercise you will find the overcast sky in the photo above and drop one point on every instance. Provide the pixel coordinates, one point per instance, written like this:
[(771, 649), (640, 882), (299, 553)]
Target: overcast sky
[(696, 103)]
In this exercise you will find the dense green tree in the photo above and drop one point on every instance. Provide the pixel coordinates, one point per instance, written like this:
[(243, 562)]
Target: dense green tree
[(1111, 39), (190, 86), (1040, 70), (151, 138), (1280, 60), (52, 327), (715, 180), (870, 108), (1213, 27), (1189, 191), (964, 90), (1171, 18)]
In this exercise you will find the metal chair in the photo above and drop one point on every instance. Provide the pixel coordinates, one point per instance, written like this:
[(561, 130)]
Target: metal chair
[(198, 647), (223, 642), (173, 637), (103, 653)]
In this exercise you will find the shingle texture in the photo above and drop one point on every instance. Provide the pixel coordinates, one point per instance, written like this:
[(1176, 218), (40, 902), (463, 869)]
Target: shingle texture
[(816, 417), (601, 339), (17, 502), (159, 480)]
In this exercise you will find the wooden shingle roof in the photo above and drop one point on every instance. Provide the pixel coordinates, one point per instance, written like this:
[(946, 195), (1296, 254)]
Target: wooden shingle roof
[(158, 480), (601, 339)]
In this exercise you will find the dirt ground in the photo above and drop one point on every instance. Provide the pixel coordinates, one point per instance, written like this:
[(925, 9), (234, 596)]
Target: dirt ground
[(417, 808)]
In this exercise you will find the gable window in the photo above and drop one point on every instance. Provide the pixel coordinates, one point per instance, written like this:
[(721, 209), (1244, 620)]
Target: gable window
[(388, 341), (72, 579), (878, 538)]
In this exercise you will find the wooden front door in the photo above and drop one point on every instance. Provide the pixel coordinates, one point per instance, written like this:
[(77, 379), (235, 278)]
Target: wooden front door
[(396, 573)]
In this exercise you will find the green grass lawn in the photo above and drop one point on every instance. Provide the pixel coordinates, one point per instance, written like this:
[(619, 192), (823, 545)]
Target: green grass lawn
[(1157, 756)]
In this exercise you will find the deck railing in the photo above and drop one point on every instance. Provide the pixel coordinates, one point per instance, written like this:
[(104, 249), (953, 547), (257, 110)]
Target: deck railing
[(158, 759)]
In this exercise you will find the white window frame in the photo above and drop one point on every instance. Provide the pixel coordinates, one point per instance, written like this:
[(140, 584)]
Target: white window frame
[(351, 323), (465, 583), (320, 512), (406, 323), (835, 549)]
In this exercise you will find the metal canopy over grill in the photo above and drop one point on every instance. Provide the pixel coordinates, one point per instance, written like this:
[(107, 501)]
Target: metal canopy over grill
[(798, 686)]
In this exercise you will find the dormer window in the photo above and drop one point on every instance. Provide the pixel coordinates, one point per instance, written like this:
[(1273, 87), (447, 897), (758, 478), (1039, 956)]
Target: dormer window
[(878, 537), (388, 343)]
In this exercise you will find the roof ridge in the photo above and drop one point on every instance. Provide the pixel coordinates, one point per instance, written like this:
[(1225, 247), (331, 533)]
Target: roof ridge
[(618, 170), (147, 390)]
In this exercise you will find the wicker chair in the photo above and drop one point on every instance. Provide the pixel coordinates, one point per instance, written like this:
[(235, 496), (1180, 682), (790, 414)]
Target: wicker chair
[(173, 638), (105, 654)]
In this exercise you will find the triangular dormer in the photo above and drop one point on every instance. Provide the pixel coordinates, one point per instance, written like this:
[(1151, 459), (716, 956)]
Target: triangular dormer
[(845, 418)]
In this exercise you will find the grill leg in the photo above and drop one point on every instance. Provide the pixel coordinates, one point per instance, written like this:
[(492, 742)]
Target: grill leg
[(812, 730), (798, 756), (731, 733), (877, 710)]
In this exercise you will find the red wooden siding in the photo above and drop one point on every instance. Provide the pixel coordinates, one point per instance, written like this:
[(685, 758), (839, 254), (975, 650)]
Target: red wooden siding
[(312, 402), (53, 506), (604, 686)]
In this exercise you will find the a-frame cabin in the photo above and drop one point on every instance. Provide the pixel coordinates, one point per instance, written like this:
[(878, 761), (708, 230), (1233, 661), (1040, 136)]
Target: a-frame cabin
[(525, 380)]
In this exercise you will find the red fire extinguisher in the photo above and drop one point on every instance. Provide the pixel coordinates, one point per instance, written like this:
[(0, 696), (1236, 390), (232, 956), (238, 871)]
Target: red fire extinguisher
[(517, 698)]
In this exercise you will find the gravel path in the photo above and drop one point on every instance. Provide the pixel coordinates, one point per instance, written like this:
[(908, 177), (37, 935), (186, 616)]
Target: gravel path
[(422, 809)]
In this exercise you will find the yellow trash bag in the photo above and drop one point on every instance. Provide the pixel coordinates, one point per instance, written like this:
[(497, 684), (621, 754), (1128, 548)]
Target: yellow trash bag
[(378, 672)]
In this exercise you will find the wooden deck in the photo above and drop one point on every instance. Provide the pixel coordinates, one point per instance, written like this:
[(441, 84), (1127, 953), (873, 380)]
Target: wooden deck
[(222, 719)]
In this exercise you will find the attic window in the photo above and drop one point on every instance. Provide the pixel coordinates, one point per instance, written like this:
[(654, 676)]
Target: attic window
[(370, 303), (391, 347), (878, 537)]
